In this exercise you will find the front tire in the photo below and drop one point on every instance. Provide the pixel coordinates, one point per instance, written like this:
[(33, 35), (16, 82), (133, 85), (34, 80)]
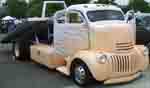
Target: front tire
[(21, 51), (81, 74)]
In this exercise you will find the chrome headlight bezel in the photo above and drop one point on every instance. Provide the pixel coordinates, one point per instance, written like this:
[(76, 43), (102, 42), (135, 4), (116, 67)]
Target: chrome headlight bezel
[(101, 58)]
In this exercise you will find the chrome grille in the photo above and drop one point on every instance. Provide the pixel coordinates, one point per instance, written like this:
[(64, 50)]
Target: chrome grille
[(124, 46), (122, 64)]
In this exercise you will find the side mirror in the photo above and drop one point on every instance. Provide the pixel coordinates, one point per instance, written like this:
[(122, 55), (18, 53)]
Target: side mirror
[(61, 20), (130, 15)]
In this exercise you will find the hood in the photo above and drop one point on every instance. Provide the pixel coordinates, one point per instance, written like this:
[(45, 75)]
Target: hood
[(112, 35)]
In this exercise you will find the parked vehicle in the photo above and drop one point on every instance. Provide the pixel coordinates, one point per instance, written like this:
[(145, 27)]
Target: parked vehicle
[(8, 24), (89, 41), (143, 28)]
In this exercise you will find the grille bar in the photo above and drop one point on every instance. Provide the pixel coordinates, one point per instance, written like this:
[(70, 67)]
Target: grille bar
[(122, 64)]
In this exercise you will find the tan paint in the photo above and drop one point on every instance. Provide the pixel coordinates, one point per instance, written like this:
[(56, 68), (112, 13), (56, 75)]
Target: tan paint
[(107, 39), (124, 62), (101, 72), (46, 55), (104, 72), (122, 79)]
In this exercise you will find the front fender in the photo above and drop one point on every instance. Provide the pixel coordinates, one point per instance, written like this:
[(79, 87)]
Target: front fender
[(144, 58), (98, 71)]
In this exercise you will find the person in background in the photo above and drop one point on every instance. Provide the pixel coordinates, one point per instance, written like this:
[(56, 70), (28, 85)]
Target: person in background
[(11, 26)]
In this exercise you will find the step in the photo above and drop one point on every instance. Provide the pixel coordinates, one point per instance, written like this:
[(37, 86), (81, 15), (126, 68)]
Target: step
[(63, 69)]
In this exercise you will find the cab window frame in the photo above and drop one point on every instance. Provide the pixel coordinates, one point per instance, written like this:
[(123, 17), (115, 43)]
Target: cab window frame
[(79, 14)]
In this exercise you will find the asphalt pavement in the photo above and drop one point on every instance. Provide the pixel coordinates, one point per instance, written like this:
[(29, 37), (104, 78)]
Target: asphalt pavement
[(17, 74)]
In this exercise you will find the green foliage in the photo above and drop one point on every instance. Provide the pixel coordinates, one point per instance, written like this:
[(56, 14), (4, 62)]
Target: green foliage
[(34, 8), (139, 5), (17, 8), (20, 8), (52, 8), (71, 2), (3, 12), (105, 1)]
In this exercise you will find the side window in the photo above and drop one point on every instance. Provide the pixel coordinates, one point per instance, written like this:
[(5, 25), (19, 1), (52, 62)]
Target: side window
[(74, 17), (60, 18)]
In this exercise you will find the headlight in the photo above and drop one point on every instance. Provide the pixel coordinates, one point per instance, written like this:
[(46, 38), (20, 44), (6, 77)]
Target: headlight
[(146, 51), (101, 58)]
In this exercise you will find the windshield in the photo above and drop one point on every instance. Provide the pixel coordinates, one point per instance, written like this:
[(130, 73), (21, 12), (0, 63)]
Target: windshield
[(99, 15)]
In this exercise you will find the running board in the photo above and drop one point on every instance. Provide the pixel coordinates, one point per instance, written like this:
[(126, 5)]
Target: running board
[(63, 69)]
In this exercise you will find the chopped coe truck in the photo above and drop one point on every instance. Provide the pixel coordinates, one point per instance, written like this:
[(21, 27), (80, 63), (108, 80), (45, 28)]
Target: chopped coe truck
[(91, 41)]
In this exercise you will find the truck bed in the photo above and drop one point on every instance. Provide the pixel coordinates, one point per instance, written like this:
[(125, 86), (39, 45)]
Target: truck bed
[(26, 31)]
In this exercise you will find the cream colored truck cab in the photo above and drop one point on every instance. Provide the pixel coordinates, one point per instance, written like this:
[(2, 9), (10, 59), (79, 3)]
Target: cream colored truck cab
[(93, 41)]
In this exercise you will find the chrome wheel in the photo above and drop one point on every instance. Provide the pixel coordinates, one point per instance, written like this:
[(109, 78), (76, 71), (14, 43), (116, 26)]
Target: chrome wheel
[(80, 74)]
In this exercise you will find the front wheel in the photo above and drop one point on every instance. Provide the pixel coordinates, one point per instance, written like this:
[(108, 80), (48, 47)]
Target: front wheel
[(81, 74)]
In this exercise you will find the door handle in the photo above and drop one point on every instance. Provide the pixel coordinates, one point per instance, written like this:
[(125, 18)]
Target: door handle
[(38, 52), (83, 29)]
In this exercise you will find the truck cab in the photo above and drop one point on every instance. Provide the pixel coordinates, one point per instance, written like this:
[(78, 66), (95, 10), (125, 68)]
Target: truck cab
[(92, 41)]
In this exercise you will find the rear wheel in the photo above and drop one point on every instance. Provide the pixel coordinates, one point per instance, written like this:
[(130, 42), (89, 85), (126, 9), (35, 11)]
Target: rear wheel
[(81, 74), (16, 52), (21, 51)]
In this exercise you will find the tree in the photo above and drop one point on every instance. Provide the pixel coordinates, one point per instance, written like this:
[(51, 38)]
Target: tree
[(139, 5), (106, 1), (71, 2), (16, 8), (52, 8), (34, 8)]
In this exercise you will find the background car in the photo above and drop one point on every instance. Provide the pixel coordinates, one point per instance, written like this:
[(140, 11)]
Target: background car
[(143, 29)]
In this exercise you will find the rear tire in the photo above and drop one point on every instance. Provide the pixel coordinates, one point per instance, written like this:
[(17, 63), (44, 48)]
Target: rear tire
[(21, 51), (15, 51)]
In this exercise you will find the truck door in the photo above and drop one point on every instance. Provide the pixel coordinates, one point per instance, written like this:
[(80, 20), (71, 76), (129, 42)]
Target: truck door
[(75, 33), (59, 29)]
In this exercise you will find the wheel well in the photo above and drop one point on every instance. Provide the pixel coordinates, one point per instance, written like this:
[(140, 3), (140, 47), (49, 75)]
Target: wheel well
[(78, 61), (74, 62)]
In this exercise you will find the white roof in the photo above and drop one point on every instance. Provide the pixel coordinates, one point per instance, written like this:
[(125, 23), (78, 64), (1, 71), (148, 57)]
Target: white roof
[(87, 7)]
